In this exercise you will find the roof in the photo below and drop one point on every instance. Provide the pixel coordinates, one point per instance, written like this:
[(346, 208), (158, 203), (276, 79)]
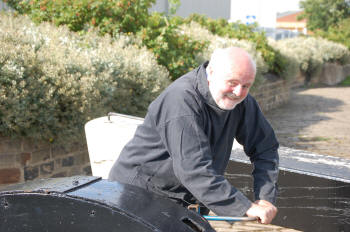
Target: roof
[(289, 16)]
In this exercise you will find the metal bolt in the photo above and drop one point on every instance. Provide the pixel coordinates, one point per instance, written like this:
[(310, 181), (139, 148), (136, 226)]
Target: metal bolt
[(5, 204), (75, 182), (92, 213)]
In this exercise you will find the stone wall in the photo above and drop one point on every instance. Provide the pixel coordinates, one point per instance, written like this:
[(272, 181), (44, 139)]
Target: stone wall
[(330, 74), (22, 160)]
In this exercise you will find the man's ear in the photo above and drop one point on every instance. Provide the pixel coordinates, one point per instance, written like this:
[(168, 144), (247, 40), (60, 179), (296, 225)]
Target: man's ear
[(209, 72)]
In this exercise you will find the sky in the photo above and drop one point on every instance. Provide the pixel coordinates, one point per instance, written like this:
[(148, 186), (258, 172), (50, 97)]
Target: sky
[(287, 5)]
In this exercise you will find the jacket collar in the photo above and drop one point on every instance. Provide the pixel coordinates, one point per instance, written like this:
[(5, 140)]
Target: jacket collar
[(202, 81)]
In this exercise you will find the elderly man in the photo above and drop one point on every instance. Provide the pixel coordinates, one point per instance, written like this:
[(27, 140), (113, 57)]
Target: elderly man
[(183, 147)]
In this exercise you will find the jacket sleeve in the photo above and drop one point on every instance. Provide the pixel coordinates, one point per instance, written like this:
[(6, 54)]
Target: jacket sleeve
[(190, 151), (260, 144)]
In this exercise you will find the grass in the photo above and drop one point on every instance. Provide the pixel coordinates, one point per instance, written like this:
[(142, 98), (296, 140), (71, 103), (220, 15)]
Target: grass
[(345, 83), (313, 139)]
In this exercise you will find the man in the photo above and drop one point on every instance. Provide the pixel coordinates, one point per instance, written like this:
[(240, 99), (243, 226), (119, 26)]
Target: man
[(183, 147)]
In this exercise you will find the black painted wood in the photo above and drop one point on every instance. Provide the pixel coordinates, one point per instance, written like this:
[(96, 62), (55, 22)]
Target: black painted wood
[(314, 190), (90, 204)]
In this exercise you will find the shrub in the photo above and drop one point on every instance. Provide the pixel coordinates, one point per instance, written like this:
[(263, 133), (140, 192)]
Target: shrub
[(276, 63), (197, 32), (108, 16), (309, 53), (291, 69), (53, 81), (339, 33), (174, 50)]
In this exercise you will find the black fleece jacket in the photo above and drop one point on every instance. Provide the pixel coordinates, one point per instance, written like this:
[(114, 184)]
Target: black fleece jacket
[(183, 147)]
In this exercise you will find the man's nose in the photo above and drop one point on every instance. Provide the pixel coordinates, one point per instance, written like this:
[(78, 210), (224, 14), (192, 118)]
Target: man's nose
[(237, 90)]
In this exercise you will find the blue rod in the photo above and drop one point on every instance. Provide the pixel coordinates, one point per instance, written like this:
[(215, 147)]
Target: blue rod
[(226, 218)]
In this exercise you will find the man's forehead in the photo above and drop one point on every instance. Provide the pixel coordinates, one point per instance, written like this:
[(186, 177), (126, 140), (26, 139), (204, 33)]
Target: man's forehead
[(240, 74)]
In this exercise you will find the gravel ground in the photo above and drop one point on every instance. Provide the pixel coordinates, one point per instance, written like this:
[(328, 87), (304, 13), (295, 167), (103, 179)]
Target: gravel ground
[(316, 120)]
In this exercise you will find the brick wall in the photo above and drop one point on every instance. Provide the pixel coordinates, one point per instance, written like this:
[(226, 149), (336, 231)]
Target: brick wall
[(22, 160)]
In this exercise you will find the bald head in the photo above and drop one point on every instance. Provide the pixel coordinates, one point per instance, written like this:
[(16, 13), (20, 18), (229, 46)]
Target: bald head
[(231, 58), (231, 72)]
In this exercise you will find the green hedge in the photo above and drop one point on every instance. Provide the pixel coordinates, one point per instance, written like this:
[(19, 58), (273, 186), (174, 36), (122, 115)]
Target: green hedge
[(339, 33), (53, 81), (174, 51), (221, 27), (108, 16), (196, 31), (309, 54), (162, 35)]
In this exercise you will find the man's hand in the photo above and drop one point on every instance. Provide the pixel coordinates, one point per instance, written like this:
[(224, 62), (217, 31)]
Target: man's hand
[(263, 210)]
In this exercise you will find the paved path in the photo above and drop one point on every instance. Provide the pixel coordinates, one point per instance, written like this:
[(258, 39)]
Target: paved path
[(316, 120), (247, 226), (251, 226)]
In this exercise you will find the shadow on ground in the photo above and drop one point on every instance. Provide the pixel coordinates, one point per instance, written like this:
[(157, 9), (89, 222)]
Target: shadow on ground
[(306, 121)]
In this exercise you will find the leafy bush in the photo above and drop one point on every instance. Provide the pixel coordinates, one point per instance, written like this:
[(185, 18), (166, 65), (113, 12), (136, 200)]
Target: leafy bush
[(276, 63), (174, 50), (53, 81), (309, 54), (108, 16), (322, 14), (339, 33), (291, 69), (197, 32), (329, 19)]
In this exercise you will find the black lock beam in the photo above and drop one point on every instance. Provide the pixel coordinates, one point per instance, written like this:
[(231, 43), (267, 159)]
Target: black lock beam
[(314, 190), (91, 204)]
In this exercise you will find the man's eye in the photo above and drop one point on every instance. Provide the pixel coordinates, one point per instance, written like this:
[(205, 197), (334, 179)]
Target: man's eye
[(232, 83)]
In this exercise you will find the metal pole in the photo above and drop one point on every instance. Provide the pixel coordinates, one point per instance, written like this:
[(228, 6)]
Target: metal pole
[(232, 219)]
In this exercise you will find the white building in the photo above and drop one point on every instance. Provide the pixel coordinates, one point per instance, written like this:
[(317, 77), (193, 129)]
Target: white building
[(212, 8), (263, 12), (3, 6)]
